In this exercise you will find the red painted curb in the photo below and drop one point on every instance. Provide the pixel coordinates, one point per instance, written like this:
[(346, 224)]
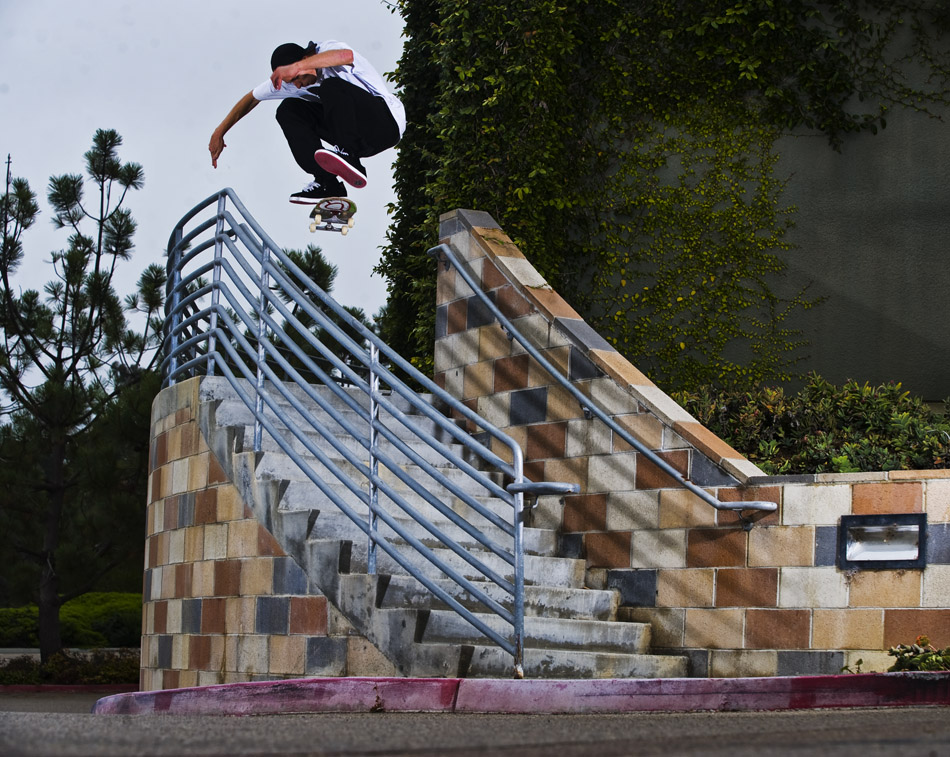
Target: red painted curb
[(697, 694), (538, 696), (300, 695)]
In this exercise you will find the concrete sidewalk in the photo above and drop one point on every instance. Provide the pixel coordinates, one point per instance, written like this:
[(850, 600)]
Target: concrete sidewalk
[(474, 695)]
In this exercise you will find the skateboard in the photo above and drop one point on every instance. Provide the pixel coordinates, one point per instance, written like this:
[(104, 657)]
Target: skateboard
[(333, 214)]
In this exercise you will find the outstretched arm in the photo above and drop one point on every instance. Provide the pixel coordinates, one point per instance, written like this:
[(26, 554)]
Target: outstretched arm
[(243, 106), (310, 65)]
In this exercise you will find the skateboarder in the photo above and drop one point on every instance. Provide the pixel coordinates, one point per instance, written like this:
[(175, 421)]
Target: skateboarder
[(336, 109)]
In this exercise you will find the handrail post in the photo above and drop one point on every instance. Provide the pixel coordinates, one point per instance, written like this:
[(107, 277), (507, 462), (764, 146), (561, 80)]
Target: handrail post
[(373, 459), (175, 297), (216, 278), (518, 549), (261, 352)]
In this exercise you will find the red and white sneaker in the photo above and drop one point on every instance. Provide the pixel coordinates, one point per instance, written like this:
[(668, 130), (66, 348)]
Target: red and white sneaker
[(341, 163)]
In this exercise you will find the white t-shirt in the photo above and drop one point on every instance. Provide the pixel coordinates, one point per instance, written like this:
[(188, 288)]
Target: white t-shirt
[(361, 73)]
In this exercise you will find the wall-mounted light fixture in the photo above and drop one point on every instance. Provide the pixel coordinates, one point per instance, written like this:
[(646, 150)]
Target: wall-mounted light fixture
[(882, 542)]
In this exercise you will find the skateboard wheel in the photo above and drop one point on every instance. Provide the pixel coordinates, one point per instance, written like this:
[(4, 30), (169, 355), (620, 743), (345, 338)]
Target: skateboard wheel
[(351, 222), (313, 228), (317, 219), (345, 230)]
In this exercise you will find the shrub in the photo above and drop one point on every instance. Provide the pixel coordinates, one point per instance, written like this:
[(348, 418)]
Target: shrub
[(70, 668), (920, 655), (826, 428), (96, 619)]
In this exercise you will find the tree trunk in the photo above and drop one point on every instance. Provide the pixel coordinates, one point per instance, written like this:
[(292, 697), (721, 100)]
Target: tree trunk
[(51, 640)]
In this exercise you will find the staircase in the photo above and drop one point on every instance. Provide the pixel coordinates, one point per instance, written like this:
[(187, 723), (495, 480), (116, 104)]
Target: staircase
[(570, 631)]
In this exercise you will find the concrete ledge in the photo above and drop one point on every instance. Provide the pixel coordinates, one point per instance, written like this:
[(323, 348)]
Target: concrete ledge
[(538, 696)]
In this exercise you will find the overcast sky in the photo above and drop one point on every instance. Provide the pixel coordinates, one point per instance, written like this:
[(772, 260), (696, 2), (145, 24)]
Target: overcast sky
[(164, 75)]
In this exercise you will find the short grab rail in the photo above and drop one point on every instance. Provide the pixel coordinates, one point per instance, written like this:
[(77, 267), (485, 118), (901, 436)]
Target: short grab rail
[(590, 408), (251, 315)]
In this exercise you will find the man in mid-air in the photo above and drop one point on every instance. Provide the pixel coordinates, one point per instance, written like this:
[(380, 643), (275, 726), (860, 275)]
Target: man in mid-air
[(336, 109)]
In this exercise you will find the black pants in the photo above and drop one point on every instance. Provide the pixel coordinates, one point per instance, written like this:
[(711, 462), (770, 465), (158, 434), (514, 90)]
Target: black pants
[(346, 116)]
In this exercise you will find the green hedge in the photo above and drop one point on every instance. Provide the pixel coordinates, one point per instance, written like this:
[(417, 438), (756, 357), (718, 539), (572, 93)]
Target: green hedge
[(96, 619), (826, 428), (65, 668)]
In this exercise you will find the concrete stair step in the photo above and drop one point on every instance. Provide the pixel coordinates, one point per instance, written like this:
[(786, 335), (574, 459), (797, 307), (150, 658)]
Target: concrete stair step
[(543, 633), (278, 465), (539, 570), (475, 661), (540, 601), (332, 524)]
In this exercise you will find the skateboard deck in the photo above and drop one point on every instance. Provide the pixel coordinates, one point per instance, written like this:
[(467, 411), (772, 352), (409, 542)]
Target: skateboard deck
[(333, 214)]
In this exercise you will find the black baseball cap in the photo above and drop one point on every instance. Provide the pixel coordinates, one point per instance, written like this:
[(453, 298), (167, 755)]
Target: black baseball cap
[(288, 53)]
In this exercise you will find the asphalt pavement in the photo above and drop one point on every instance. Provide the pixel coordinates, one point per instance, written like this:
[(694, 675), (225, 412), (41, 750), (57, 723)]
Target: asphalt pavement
[(58, 725)]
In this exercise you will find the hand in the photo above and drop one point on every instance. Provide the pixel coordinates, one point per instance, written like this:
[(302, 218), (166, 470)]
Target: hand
[(215, 147), (283, 74)]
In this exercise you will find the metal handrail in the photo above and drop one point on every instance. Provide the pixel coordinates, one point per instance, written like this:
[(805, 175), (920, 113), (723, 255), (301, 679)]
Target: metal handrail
[(589, 407), (229, 326)]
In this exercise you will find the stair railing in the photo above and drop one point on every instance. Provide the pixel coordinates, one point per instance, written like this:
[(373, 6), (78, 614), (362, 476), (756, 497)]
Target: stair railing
[(228, 325), (448, 256)]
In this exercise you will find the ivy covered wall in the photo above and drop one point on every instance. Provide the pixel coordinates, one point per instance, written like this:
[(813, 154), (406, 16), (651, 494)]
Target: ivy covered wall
[(630, 151)]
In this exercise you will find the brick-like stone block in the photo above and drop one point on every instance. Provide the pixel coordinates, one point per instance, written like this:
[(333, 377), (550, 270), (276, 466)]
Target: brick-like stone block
[(528, 406), (875, 588), (668, 624), (308, 615), (273, 615), (659, 549), (252, 654), (289, 577), (546, 440), (886, 498), (326, 656), (633, 510), (691, 587), (206, 506), (477, 379), (714, 629), (585, 512), (608, 550), (646, 428), (805, 505), (809, 663), (199, 653), (213, 615), (937, 503), (637, 588), (257, 576), (650, 476), (716, 547), (216, 541), (240, 615), (612, 473), (938, 543), (777, 629), (511, 373), (288, 655), (746, 587), (243, 538), (812, 587), (780, 546), (227, 578), (183, 585), (742, 663), (680, 508), (847, 629), (936, 586), (191, 616)]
